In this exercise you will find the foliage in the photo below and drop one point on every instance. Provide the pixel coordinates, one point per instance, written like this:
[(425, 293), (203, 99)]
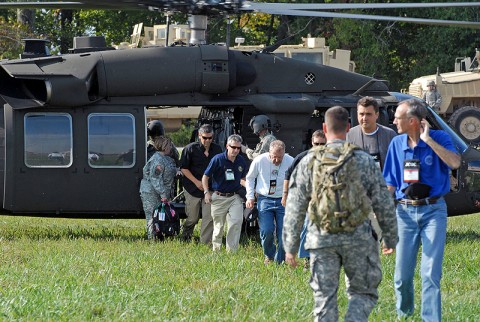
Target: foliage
[(11, 34), (78, 269), (406, 50), (183, 135)]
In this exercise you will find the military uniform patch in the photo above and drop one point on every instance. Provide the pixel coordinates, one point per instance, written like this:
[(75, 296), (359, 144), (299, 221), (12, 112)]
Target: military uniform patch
[(158, 170), (240, 168)]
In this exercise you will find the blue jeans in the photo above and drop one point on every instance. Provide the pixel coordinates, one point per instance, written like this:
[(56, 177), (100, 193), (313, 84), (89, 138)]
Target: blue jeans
[(302, 252), (270, 220), (426, 224)]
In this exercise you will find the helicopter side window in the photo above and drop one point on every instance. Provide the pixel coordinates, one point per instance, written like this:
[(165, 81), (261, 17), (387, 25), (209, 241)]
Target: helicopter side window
[(48, 140), (111, 140)]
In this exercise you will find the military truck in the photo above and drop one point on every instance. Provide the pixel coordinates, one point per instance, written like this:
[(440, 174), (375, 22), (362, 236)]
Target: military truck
[(313, 49), (460, 92)]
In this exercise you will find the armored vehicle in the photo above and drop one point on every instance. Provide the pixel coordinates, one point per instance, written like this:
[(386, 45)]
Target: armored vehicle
[(460, 91)]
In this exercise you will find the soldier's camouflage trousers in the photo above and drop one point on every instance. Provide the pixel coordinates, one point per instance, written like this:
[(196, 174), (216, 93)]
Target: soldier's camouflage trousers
[(361, 262)]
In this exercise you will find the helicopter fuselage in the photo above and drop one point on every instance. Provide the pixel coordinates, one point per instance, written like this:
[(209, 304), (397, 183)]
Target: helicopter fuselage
[(74, 125)]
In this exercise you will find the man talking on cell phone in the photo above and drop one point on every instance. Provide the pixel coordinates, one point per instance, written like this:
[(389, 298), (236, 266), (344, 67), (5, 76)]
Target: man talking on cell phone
[(417, 172)]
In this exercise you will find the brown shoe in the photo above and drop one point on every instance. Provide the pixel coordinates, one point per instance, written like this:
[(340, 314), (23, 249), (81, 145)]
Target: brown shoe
[(267, 261), (306, 264)]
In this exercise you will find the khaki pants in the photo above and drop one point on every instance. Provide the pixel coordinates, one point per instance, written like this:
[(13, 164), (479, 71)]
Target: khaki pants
[(192, 208), (229, 210)]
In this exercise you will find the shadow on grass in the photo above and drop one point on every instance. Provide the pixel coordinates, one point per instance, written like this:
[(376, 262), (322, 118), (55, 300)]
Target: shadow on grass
[(72, 233), (462, 236)]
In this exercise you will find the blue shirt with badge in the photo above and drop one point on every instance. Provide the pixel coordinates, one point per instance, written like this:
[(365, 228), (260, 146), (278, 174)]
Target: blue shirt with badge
[(225, 174), (433, 171)]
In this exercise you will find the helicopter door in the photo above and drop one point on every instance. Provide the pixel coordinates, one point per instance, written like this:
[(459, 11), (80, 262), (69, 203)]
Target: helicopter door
[(79, 161)]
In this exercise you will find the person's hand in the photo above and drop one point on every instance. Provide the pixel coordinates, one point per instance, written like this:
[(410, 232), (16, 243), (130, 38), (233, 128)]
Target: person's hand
[(199, 185), (291, 259), (249, 204), (284, 199), (424, 130), (387, 251), (208, 197)]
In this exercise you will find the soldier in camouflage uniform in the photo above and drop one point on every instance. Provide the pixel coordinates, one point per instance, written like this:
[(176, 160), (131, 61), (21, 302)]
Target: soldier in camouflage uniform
[(261, 126), (158, 176), (432, 97), (357, 250)]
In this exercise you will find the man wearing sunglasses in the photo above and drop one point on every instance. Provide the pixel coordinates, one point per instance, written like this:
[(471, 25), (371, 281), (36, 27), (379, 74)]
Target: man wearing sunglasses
[(195, 158), (227, 171)]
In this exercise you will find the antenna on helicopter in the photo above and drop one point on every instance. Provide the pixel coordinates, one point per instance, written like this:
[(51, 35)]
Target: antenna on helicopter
[(167, 16)]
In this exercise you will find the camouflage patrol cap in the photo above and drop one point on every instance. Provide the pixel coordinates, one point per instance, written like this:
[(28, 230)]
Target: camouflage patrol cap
[(431, 83)]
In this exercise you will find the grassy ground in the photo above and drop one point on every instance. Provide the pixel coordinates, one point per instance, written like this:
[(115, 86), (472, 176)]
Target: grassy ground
[(68, 269)]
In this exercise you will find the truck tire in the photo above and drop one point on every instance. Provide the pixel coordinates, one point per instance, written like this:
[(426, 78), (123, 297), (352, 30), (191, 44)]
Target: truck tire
[(466, 121)]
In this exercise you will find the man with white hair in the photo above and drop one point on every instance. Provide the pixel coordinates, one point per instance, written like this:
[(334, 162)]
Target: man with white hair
[(268, 171)]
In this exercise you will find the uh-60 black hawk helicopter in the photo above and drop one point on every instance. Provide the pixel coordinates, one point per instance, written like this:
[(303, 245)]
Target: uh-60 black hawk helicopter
[(74, 125)]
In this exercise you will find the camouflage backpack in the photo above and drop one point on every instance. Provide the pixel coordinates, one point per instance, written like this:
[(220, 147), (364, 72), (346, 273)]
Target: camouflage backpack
[(339, 202)]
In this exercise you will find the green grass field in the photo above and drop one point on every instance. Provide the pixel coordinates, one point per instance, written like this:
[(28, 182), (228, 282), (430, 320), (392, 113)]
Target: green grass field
[(72, 269)]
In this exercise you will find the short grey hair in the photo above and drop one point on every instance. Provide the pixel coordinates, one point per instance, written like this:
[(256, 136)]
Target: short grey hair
[(205, 128), (416, 108), (234, 138), (277, 144)]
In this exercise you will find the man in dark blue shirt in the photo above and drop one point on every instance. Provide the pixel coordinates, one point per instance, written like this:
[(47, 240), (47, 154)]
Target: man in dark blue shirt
[(195, 158), (228, 171)]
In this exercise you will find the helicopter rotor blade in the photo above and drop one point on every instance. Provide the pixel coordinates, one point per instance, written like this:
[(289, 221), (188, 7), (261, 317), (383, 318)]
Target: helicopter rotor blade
[(437, 22), (263, 6)]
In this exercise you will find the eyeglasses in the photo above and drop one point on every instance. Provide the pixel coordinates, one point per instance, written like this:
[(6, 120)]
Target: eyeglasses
[(318, 143), (401, 118), (207, 137), (235, 147)]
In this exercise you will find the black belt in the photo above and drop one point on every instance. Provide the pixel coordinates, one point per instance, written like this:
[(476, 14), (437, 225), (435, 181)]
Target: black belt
[(420, 202), (225, 194)]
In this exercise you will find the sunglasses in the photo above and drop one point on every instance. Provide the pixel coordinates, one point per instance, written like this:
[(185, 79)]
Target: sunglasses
[(235, 147), (317, 143), (207, 137)]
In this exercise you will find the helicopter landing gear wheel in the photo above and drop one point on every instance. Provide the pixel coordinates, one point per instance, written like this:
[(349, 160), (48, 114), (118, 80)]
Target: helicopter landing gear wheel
[(466, 121)]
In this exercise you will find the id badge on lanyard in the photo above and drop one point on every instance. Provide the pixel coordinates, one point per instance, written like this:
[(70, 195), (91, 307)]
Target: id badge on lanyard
[(229, 175), (273, 182), (411, 171)]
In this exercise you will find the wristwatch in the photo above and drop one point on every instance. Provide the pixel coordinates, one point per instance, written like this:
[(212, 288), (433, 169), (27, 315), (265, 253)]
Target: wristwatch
[(205, 192)]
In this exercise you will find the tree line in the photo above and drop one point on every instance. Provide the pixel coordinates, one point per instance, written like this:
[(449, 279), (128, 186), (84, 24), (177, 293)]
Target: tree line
[(396, 52)]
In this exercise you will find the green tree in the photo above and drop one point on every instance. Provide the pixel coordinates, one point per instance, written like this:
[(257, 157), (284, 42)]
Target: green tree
[(11, 35)]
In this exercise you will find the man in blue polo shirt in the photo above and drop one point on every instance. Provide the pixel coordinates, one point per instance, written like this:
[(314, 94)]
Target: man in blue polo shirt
[(417, 171), (227, 171)]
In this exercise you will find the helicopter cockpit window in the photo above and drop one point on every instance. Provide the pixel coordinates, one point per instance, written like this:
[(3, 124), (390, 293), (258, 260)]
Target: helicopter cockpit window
[(48, 140), (111, 140)]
